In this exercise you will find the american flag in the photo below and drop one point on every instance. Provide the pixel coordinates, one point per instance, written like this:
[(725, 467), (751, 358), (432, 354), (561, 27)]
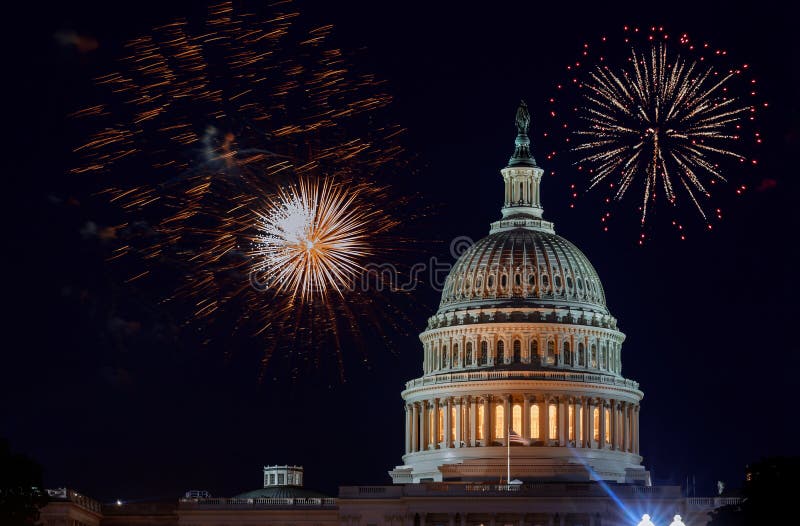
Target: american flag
[(516, 438)]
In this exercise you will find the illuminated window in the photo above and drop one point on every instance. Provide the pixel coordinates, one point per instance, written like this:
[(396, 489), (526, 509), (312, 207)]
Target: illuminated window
[(596, 424), (516, 418), (484, 352), (517, 351), (440, 414), (469, 353), (499, 424), (608, 424), (552, 416), (452, 424), (551, 352), (581, 426), (500, 352), (535, 421), (571, 418), (431, 414), (480, 422)]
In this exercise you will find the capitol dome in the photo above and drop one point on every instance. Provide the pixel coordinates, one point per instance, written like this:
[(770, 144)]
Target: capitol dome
[(522, 362), (529, 267)]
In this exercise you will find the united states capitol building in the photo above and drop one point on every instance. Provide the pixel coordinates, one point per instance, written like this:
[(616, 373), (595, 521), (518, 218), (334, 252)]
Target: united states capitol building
[(522, 416)]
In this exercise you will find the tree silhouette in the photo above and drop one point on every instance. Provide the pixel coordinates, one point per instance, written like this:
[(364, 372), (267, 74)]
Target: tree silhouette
[(21, 492), (769, 489)]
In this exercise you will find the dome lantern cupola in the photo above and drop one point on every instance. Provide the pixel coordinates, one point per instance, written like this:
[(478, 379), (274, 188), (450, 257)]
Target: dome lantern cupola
[(522, 200)]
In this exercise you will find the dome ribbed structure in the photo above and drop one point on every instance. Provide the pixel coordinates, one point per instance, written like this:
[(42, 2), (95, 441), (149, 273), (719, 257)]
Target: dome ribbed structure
[(523, 267)]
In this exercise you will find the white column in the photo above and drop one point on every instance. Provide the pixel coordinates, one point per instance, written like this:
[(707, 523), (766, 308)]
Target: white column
[(458, 437), (415, 427), (544, 420), (590, 423), (506, 417), (472, 409), (487, 420), (578, 421), (562, 421), (625, 426), (602, 405), (448, 425), (424, 419), (613, 412), (526, 417), (435, 430), (636, 429), (409, 426)]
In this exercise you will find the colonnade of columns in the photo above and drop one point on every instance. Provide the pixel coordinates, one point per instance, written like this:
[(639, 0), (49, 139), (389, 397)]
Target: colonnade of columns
[(530, 420)]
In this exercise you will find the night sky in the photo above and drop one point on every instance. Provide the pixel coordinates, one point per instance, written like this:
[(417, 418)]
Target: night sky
[(100, 385)]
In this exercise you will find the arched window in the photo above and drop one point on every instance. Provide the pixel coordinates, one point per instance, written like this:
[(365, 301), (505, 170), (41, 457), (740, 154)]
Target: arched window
[(516, 419), (490, 282), (517, 280), (534, 351), (593, 356), (581, 354), (469, 353), (517, 351), (455, 360), (480, 422), (535, 421), (503, 281), (484, 352), (551, 352), (552, 417), (557, 281), (596, 424), (499, 424), (501, 352), (567, 354)]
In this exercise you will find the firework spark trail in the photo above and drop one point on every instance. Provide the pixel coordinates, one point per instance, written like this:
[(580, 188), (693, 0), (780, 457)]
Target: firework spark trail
[(197, 134), (662, 119)]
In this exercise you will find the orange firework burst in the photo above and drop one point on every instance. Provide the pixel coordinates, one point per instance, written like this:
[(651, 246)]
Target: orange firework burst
[(209, 130)]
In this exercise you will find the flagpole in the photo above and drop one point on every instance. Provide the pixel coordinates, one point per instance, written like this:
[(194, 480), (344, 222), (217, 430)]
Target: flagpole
[(508, 449)]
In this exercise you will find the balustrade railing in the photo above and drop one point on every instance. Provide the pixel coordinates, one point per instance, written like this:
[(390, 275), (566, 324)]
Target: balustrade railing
[(469, 376), (257, 503)]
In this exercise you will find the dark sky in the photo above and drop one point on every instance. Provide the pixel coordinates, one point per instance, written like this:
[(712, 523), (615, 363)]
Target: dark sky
[(97, 386)]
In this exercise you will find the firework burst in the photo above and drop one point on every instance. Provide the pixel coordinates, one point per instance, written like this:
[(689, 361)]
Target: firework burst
[(314, 239), (666, 121), (229, 146)]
